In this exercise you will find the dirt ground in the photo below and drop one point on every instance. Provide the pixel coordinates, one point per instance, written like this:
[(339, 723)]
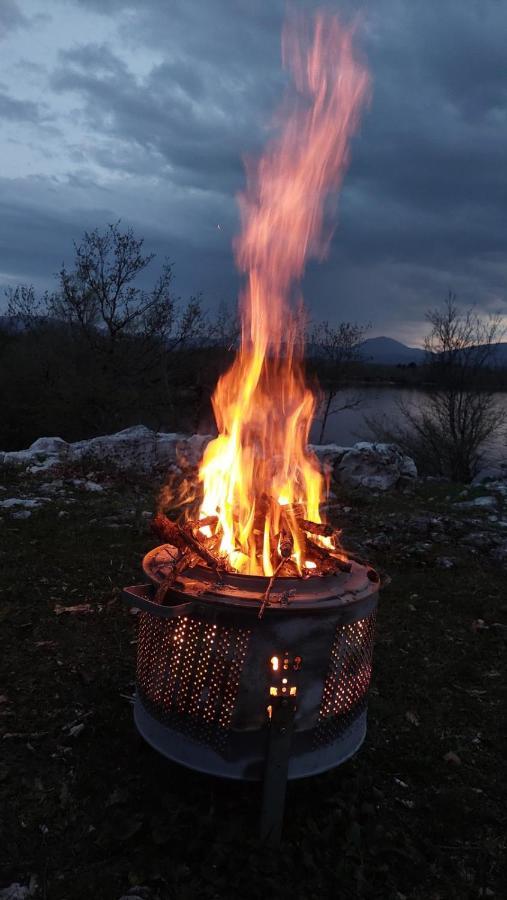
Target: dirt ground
[(88, 811)]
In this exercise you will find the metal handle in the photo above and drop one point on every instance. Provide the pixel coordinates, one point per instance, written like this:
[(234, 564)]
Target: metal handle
[(138, 596)]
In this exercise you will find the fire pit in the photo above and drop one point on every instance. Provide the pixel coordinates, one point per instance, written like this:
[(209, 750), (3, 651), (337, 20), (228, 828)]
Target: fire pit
[(223, 691), (210, 672), (256, 631)]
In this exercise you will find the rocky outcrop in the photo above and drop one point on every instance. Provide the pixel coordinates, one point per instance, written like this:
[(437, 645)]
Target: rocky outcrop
[(373, 466), (136, 448), (378, 467)]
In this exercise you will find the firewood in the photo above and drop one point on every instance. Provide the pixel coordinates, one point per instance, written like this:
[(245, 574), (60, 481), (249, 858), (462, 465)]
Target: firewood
[(167, 531), (285, 544), (315, 527), (267, 592), (187, 535), (207, 520), (324, 556), (177, 568)]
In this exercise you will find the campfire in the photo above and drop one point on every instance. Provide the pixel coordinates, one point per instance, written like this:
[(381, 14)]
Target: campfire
[(255, 640), (257, 507)]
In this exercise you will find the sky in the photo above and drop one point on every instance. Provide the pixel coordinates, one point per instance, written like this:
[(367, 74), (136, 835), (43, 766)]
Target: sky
[(143, 111)]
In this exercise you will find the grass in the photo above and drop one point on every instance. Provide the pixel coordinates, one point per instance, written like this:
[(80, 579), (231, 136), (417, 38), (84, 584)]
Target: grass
[(418, 813)]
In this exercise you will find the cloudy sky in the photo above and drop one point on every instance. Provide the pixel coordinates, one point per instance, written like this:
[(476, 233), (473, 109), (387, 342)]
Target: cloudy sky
[(143, 109)]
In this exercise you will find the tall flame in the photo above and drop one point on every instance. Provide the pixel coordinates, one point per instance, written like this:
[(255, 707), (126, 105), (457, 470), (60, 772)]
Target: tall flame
[(258, 471)]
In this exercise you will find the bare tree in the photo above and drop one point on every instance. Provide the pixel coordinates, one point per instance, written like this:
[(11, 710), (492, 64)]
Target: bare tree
[(121, 340), (25, 308), (448, 430), (339, 347), (102, 296)]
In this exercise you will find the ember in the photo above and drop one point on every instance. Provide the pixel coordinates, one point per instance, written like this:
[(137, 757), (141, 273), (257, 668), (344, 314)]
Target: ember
[(258, 510)]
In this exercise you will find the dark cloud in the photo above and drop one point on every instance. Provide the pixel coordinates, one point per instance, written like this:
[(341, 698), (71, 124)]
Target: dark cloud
[(11, 17), (424, 204), (18, 110), (198, 119)]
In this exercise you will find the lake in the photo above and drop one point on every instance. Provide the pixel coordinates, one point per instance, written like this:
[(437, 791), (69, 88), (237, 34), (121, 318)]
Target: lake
[(349, 425)]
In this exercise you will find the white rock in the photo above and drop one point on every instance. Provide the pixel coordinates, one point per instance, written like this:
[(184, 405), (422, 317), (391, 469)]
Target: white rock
[(22, 507), (93, 486), (17, 891), (87, 485), (26, 502), (136, 447), (374, 466), (43, 454), (478, 503)]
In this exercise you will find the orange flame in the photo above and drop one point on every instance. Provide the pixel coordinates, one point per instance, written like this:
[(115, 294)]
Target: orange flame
[(259, 468)]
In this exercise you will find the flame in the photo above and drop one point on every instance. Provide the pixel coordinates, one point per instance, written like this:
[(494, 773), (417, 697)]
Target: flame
[(259, 468)]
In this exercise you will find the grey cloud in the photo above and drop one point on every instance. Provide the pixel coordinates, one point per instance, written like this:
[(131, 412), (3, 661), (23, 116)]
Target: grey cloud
[(11, 17), (199, 122), (424, 203), (42, 217), (14, 110)]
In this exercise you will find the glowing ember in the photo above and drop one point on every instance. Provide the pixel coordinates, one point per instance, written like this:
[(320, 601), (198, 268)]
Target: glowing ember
[(258, 477)]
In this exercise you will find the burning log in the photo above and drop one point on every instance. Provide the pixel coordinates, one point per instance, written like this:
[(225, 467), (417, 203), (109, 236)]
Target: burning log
[(324, 556), (285, 544), (285, 549), (210, 521), (167, 531), (182, 537), (318, 528)]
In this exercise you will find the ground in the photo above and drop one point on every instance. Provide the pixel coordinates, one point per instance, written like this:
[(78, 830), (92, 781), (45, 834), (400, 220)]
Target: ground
[(88, 811)]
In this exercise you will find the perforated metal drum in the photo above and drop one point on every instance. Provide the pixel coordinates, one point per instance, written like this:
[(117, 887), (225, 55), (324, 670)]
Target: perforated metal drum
[(209, 670)]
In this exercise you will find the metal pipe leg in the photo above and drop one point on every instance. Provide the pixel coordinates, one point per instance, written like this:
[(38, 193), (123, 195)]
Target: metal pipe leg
[(281, 726)]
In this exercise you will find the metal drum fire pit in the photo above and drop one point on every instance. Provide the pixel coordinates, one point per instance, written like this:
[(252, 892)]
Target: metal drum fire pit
[(225, 692)]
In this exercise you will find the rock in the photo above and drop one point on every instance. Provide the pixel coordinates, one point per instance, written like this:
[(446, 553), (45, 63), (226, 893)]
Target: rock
[(373, 466), (482, 540), (133, 448), (380, 542), (51, 487), (487, 502), (87, 485), (45, 453), (497, 472), (420, 548), (22, 507), (18, 891), (444, 562), (26, 502), (329, 454)]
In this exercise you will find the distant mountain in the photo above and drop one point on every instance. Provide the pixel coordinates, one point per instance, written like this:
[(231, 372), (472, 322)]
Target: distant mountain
[(387, 352), (499, 355)]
